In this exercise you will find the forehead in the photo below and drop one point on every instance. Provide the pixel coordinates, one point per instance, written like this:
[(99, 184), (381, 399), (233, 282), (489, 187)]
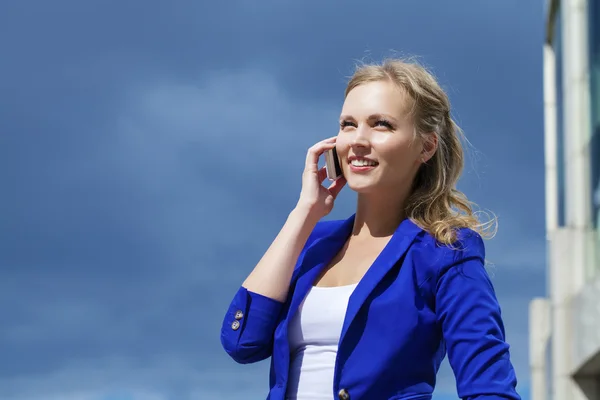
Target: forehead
[(380, 97)]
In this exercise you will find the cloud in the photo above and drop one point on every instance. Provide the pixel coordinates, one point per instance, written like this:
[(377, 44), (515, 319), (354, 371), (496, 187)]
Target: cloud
[(150, 154), (151, 284), (175, 169)]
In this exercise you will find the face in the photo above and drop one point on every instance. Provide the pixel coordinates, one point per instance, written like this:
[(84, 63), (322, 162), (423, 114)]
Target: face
[(376, 142)]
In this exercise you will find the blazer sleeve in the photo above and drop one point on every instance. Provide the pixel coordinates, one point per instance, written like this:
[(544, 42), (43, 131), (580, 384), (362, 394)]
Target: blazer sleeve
[(469, 315), (249, 324)]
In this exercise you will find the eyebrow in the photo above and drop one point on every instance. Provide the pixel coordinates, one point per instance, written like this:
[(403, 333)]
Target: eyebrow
[(371, 117)]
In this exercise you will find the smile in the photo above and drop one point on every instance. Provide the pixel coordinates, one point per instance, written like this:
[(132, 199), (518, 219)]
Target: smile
[(363, 163)]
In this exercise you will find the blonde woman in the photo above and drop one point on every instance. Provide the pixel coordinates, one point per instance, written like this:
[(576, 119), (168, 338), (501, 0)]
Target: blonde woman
[(366, 308)]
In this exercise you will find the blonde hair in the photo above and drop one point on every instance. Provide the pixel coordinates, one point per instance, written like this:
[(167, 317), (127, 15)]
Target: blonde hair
[(434, 203)]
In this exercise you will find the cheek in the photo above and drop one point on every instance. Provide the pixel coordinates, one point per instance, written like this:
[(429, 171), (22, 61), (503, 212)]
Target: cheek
[(397, 152), (342, 146)]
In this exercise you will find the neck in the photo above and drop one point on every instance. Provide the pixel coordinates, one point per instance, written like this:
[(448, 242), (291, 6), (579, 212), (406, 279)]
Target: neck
[(378, 215)]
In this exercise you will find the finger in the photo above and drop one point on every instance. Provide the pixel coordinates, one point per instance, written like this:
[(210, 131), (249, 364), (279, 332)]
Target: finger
[(321, 146), (337, 186), (312, 157), (322, 174)]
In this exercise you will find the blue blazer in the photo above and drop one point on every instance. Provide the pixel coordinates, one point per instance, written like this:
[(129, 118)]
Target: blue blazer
[(416, 302)]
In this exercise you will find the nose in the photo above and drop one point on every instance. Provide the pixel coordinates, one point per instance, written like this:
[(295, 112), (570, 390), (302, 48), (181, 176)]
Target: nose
[(361, 136)]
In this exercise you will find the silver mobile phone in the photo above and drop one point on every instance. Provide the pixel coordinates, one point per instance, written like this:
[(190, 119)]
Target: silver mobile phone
[(332, 164)]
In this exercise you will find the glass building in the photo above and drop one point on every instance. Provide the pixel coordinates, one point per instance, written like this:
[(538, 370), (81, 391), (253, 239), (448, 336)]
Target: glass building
[(565, 327)]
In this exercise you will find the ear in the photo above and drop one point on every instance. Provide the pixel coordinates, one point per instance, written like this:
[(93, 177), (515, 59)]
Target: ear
[(430, 145)]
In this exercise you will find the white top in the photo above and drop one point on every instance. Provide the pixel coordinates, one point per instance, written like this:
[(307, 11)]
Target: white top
[(314, 333)]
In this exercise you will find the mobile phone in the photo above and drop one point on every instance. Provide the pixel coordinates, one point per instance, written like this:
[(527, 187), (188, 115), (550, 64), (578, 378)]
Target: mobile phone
[(332, 164)]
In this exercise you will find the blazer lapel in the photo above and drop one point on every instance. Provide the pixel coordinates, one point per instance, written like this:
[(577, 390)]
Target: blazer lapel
[(390, 255), (317, 257)]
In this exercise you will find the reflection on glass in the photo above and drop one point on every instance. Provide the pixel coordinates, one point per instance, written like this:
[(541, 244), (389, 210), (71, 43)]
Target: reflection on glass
[(594, 38)]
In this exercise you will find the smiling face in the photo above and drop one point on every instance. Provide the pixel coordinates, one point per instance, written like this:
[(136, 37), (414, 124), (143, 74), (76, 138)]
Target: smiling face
[(376, 144)]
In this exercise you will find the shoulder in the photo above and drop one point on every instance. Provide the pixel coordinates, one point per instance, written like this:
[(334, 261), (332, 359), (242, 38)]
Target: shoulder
[(325, 227), (322, 229), (434, 259), (468, 244)]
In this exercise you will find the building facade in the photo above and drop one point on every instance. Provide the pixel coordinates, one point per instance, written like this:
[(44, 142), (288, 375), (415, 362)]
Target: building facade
[(565, 327)]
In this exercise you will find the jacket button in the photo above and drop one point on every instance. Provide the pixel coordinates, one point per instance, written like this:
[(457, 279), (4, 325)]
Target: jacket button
[(239, 314), (343, 395), (235, 325)]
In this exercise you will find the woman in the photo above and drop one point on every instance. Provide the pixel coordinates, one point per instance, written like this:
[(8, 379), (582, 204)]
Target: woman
[(366, 308)]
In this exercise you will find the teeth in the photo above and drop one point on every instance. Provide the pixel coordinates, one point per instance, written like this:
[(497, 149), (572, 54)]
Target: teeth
[(363, 163)]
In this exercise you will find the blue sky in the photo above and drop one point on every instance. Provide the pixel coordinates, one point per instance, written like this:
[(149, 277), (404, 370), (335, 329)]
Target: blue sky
[(150, 151)]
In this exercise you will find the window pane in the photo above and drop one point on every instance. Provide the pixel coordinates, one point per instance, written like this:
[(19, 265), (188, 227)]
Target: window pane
[(594, 38), (560, 156)]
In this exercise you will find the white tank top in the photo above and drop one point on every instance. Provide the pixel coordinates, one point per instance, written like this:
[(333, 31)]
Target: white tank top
[(313, 334)]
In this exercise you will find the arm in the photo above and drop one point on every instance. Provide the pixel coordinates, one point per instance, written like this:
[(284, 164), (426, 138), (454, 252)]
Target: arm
[(271, 276), (469, 315), (250, 322)]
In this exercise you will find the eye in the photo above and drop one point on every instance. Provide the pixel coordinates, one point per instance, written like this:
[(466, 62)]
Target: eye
[(346, 123), (384, 123)]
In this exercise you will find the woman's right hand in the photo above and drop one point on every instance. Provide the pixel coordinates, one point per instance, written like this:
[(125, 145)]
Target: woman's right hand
[(315, 197)]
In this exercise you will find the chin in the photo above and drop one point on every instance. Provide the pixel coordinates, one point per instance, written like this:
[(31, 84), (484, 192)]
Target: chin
[(361, 185)]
